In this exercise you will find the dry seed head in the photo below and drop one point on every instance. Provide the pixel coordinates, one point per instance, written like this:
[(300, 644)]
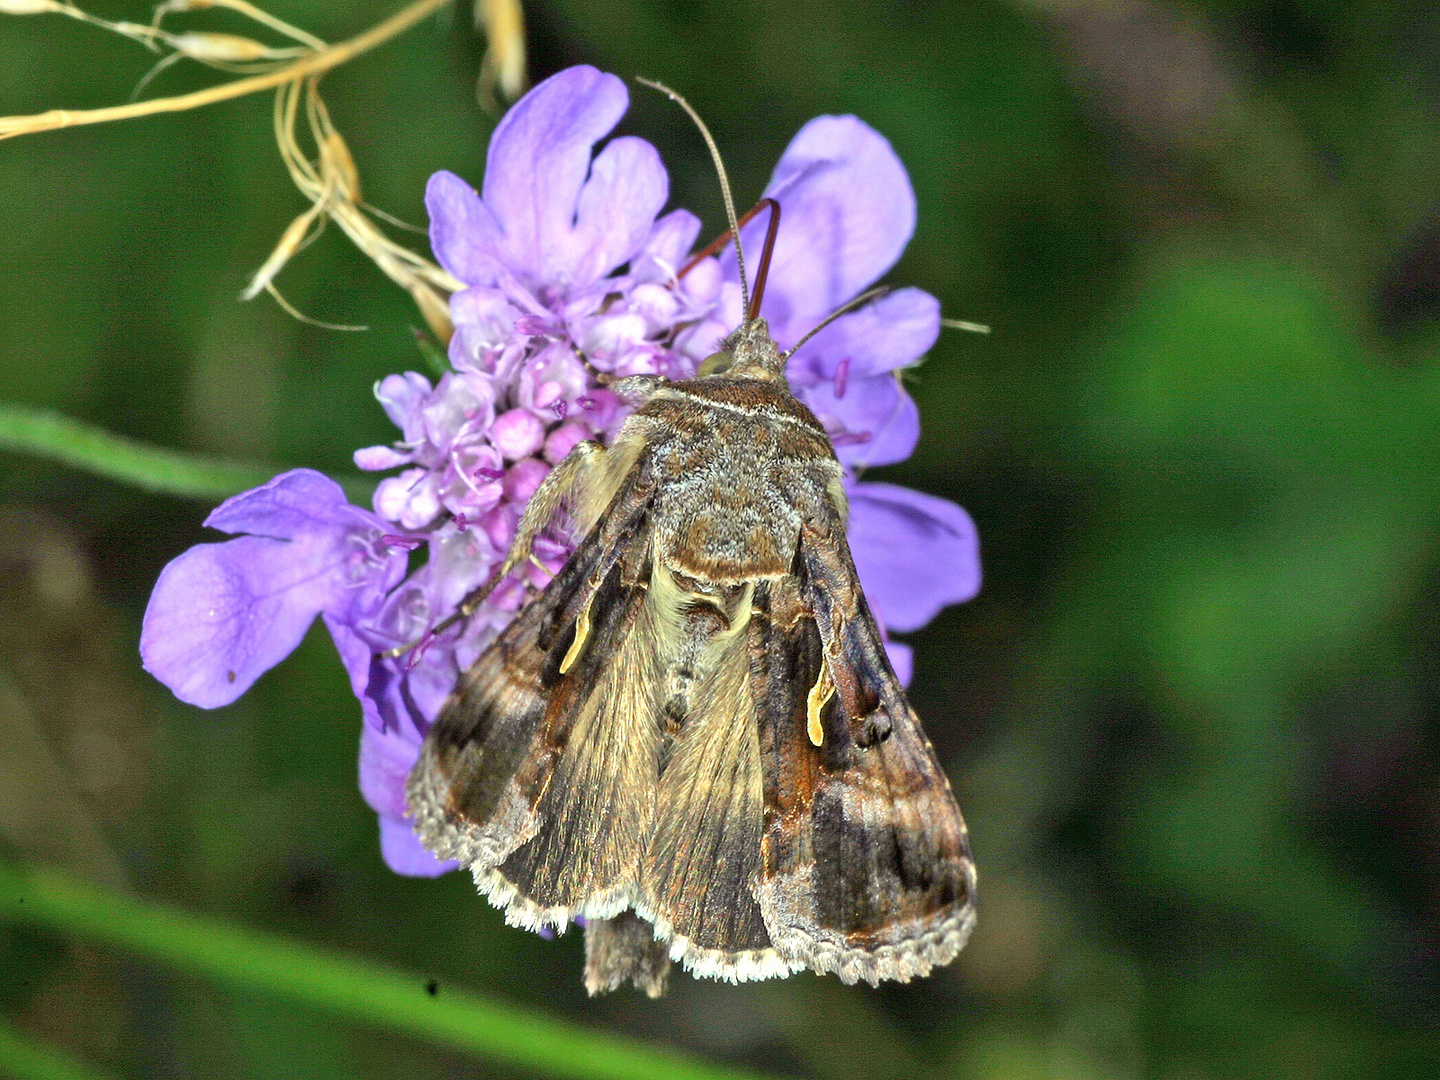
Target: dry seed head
[(435, 309), (30, 7), (336, 160), (242, 7), (331, 182), (295, 236), (965, 324), (504, 64), (209, 47), (299, 316)]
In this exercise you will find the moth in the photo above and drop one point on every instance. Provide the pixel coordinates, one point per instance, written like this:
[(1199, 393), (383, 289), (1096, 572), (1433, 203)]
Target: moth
[(692, 740)]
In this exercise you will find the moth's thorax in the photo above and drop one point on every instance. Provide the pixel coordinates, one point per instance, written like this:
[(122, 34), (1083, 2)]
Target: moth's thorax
[(738, 463)]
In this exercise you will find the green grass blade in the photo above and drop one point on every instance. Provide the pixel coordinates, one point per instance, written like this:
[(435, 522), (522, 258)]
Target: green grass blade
[(350, 987), (25, 1059), (153, 468)]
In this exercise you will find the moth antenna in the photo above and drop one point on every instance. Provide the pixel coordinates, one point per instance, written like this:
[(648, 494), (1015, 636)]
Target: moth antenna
[(721, 240), (844, 309), (962, 324), (762, 274), (724, 180)]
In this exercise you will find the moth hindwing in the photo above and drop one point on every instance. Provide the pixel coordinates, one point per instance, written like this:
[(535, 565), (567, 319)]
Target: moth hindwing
[(692, 738)]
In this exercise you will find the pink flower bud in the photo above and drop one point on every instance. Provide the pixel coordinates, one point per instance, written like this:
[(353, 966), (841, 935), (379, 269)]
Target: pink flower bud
[(563, 439), (517, 434), (499, 527), (523, 479)]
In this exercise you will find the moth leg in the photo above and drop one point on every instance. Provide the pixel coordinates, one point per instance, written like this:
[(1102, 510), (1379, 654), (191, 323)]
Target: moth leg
[(556, 490)]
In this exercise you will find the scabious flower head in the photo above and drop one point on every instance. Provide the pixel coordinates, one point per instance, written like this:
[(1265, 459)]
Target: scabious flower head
[(572, 278)]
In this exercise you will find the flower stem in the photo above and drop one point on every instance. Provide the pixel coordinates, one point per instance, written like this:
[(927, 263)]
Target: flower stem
[(153, 468), (314, 64), (355, 989), (25, 1059)]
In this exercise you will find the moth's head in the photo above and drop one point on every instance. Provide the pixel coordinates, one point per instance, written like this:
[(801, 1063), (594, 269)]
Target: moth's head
[(748, 353)]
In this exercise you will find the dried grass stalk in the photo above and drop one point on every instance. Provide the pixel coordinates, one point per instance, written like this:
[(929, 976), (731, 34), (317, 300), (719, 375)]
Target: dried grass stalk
[(329, 180)]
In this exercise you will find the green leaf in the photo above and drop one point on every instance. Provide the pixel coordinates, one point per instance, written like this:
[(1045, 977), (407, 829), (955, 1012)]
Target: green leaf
[(152, 468), (349, 987)]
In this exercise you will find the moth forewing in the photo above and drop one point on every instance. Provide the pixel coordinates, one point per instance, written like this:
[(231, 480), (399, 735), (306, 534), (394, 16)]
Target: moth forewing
[(867, 870), (696, 884), (489, 756)]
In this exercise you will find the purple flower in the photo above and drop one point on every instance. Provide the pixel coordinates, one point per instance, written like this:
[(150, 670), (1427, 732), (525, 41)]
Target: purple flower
[(570, 277), (221, 614), (889, 525)]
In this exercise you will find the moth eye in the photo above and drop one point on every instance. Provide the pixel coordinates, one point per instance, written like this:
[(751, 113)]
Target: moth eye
[(715, 363)]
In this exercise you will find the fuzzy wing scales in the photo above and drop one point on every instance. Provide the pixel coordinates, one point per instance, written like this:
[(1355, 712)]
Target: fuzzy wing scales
[(703, 859), (866, 868), (534, 775), (791, 814)]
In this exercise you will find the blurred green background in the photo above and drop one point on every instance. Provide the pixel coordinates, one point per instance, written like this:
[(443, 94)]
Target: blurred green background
[(1191, 719)]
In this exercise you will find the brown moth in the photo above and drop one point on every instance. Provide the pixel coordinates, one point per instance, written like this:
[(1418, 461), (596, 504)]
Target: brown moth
[(692, 738)]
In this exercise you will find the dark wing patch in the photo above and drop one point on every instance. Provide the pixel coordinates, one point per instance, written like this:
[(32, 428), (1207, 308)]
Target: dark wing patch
[(866, 867), (503, 756), (598, 804)]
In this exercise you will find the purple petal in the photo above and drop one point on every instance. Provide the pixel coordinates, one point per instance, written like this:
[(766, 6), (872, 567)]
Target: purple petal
[(378, 458), (430, 682), (700, 340), (288, 505), (893, 332), (222, 614), (879, 422), (404, 854), (668, 246), (915, 553), (401, 396), (628, 186), (557, 226), (411, 499), (484, 325), (463, 404), (386, 758), (847, 213), (463, 232), (902, 659), (388, 704), (550, 376), (356, 656)]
